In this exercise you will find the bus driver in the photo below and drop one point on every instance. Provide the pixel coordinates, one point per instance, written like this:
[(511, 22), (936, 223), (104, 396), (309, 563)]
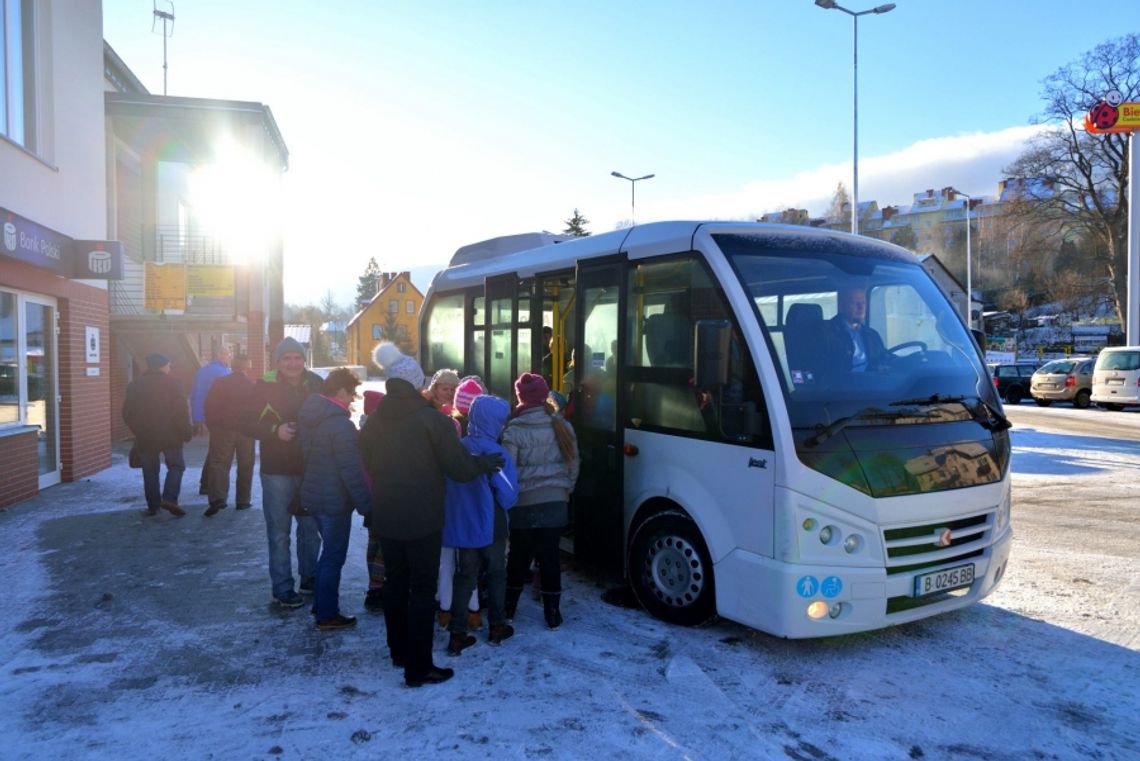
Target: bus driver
[(849, 336)]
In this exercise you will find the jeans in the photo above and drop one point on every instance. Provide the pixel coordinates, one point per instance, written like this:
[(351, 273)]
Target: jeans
[(334, 530), (219, 458), (175, 465), (412, 569), (470, 562), (374, 558), (542, 545), (277, 491)]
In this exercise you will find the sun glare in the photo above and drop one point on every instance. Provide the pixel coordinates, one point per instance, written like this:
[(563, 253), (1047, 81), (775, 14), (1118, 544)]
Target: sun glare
[(236, 200)]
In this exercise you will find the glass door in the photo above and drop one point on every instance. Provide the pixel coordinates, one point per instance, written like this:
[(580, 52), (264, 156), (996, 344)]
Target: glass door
[(40, 383), (598, 495)]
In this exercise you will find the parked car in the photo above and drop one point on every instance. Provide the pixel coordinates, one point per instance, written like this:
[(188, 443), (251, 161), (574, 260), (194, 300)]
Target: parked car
[(1011, 379), (1063, 380), (1116, 377)]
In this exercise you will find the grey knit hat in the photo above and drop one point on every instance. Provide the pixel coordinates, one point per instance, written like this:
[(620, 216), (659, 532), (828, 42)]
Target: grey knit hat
[(288, 344)]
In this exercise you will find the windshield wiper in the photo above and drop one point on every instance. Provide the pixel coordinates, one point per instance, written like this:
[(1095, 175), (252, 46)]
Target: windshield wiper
[(985, 415), (870, 413), (932, 399)]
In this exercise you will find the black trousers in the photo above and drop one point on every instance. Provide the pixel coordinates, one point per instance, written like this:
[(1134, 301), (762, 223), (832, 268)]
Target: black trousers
[(540, 544), (411, 574)]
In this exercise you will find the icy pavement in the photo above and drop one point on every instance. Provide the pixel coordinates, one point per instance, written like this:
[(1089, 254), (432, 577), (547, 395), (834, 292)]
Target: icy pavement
[(133, 637)]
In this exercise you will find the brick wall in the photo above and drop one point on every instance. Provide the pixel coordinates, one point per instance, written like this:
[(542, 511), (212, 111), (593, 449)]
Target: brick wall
[(19, 467), (84, 422), (84, 408)]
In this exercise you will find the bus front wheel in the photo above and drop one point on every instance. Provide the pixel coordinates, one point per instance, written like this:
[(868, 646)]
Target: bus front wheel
[(671, 572)]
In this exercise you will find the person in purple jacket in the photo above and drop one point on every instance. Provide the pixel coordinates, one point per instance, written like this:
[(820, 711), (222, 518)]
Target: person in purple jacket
[(475, 523)]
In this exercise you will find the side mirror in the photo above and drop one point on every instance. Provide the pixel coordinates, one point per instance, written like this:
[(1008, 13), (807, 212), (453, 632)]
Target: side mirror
[(711, 340), (980, 337)]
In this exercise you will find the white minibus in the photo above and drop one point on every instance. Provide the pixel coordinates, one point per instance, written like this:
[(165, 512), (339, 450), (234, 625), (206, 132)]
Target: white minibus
[(1116, 377), (747, 449)]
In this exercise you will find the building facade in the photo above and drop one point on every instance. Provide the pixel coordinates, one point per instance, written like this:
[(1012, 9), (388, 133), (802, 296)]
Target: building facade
[(194, 189), (391, 315), (55, 256)]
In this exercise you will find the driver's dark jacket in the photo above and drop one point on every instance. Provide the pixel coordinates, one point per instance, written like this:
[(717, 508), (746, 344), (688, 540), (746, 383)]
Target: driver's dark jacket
[(839, 348)]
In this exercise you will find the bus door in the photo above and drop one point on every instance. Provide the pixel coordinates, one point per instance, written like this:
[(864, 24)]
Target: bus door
[(501, 317), (597, 504)]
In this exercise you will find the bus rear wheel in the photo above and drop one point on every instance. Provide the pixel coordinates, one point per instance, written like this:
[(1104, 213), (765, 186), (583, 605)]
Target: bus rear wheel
[(671, 572)]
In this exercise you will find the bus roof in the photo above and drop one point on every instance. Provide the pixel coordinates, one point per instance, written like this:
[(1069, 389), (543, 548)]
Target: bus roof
[(530, 253)]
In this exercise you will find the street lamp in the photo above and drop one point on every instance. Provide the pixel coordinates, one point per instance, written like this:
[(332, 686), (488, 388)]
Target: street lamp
[(632, 185), (885, 8), (969, 283)]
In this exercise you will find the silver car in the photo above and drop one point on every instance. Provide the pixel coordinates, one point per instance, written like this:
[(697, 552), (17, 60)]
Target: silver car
[(1063, 380)]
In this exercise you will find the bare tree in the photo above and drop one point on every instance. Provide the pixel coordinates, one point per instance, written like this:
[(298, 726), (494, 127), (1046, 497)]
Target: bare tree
[(839, 213), (1083, 187), (1014, 300)]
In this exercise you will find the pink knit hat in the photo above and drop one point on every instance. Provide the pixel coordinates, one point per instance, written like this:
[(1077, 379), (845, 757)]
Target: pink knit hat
[(465, 393), (531, 390)]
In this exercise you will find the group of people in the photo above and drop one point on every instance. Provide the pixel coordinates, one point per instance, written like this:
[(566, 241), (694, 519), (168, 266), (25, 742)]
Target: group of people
[(445, 476)]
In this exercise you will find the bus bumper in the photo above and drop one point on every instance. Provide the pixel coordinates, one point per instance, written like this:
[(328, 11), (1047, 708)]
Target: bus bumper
[(776, 597)]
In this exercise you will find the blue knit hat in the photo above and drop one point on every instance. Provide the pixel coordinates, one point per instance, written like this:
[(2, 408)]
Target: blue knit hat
[(156, 361)]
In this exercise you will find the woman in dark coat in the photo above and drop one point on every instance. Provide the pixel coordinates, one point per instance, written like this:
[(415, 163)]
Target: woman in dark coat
[(409, 449), (332, 486)]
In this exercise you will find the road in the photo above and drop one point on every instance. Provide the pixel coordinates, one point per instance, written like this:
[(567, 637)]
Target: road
[(1063, 418)]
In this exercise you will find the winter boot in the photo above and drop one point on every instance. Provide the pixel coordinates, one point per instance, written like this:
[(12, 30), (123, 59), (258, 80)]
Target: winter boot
[(459, 642), (550, 611), (511, 603), (500, 632)]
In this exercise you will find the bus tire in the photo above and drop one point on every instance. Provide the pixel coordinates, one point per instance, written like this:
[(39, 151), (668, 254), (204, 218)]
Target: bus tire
[(671, 571)]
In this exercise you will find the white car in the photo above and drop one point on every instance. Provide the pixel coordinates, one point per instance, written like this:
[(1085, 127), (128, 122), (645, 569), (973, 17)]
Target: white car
[(1116, 377)]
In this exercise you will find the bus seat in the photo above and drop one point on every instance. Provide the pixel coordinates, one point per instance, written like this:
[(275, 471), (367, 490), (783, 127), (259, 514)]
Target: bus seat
[(803, 337), (669, 340)]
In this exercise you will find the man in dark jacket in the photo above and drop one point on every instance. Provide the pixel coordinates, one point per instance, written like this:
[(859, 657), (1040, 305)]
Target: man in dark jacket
[(270, 416), (224, 403), (158, 415), (333, 486), (409, 448), (849, 342)]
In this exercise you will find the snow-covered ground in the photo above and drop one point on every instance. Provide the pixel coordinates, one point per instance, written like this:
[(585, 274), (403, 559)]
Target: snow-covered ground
[(137, 638)]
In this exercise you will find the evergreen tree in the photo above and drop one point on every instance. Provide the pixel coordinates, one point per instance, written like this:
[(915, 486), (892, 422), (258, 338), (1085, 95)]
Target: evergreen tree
[(366, 287), (576, 226)]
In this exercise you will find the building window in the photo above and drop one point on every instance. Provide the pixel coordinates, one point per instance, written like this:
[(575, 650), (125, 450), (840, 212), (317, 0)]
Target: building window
[(402, 332), (401, 287), (17, 55), (377, 332), (410, 307), (394, 306)]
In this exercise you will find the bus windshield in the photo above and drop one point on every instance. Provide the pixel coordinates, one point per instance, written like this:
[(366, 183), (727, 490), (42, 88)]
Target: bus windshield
[(861, 335)]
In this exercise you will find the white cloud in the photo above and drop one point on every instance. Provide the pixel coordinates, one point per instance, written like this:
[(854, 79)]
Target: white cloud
[(972, 163)]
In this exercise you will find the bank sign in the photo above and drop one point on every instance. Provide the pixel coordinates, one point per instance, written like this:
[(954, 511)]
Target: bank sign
[(40, 246)]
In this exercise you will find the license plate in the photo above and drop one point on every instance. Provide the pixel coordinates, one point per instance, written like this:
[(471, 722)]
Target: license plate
[(1114, 382), (943, 581)]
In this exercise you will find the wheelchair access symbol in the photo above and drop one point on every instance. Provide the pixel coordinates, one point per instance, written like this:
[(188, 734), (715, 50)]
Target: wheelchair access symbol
[(807, 586), (831, 586)]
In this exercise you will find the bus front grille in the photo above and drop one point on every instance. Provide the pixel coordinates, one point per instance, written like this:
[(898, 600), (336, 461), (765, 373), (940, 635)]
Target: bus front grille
[(913, 548)]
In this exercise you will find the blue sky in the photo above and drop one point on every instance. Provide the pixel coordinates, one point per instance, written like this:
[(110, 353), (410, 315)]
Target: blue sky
[(417, 127)]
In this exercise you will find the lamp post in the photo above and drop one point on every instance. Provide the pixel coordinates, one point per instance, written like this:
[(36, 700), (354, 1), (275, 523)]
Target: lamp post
[(969, 282), (879, 9), (632, 186)]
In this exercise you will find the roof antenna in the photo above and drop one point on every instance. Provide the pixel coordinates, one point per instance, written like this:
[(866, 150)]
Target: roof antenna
[(166, 16)]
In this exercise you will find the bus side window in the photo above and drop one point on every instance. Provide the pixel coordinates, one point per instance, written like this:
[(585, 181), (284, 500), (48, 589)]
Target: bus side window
[(666, 301)]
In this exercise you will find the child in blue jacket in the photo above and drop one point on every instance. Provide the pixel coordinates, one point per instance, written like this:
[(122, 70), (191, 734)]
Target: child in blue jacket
[(475, 522)]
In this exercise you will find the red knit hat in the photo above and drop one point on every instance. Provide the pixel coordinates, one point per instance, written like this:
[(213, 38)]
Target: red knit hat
[(531, 389), (371, 401)]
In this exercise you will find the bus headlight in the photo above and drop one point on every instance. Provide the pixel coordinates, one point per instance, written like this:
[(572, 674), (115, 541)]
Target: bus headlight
[(853, 543), (1003, 511), (825, 534), (817, 609)]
